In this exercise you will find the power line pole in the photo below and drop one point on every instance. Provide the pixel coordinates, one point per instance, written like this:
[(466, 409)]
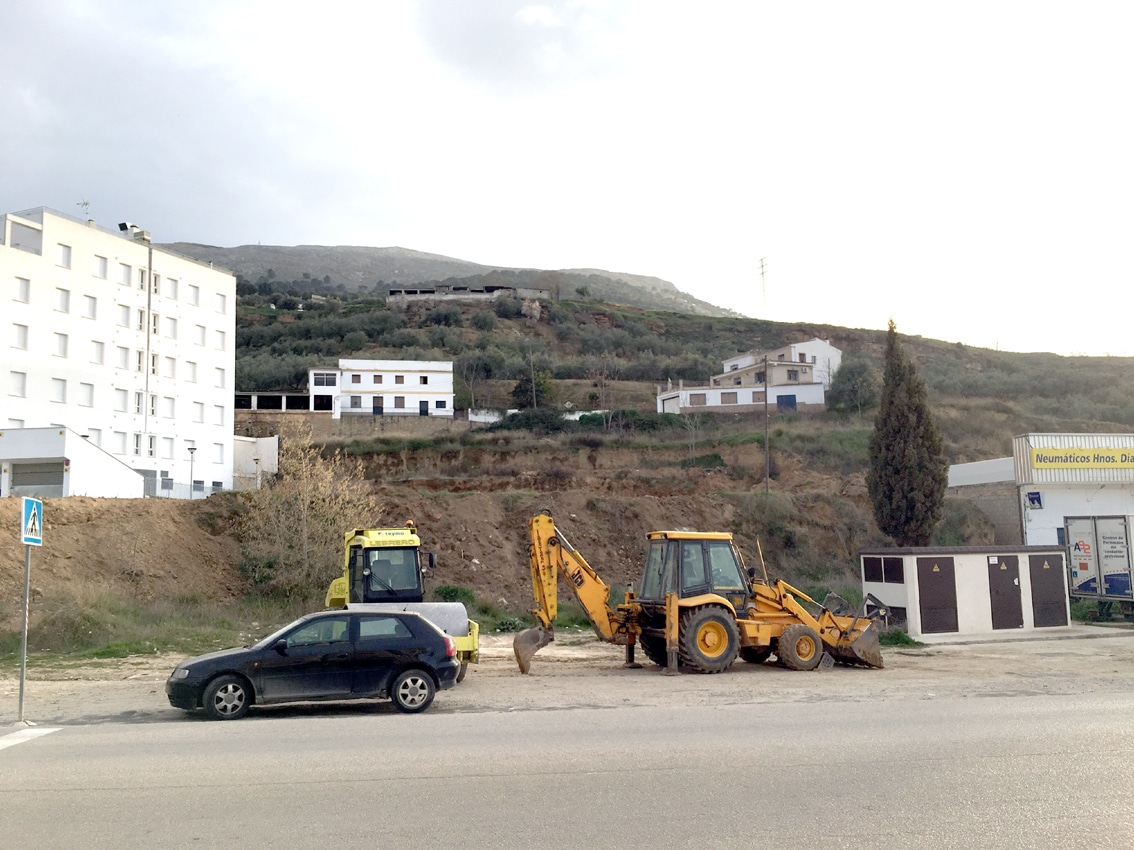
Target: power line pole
[(763, 288)]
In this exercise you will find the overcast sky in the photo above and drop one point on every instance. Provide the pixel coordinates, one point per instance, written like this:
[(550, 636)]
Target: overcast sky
[(966, 168)]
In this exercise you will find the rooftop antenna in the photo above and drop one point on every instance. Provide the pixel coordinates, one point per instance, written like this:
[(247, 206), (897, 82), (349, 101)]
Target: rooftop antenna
[(86, 207)]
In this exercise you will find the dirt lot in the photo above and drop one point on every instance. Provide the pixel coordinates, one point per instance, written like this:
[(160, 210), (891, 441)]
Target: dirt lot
[(579, 671)]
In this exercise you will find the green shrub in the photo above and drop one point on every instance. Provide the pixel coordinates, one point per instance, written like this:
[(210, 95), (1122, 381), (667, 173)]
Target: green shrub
[(451, 593)]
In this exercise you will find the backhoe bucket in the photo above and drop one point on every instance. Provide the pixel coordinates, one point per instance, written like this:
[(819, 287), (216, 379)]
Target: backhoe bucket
[(528, 642), (864, 651)]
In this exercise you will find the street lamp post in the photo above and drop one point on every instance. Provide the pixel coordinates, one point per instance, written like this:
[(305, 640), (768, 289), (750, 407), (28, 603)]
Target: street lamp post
[(192, 451)]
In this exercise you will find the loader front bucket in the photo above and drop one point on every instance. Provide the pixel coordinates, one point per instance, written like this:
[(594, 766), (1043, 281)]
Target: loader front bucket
[(864, 651), (528, 642)]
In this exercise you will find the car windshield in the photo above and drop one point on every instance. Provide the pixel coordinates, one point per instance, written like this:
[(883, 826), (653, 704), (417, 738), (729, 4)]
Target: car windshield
[(277, 634)]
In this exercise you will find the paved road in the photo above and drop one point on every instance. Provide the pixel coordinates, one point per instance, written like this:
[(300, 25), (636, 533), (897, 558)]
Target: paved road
[(990, 771)]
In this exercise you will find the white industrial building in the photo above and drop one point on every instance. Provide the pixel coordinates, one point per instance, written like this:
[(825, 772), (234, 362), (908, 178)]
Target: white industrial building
[(1070, 491), (793, 377), (383, 388), (124, 344)]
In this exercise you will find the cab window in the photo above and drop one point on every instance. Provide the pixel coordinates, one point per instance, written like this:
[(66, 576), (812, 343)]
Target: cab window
[(660, 567), (725, 570), (692, 565), (392, 569)]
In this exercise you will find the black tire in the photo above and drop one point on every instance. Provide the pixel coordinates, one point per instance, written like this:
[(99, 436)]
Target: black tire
[(755, 654), (654, 649), (709, 639), (413, 691), (800, 648), (227, 698), (464, 669)]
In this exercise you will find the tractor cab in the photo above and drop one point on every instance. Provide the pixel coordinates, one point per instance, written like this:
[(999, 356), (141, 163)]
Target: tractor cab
[(691, 564), (381, 565)]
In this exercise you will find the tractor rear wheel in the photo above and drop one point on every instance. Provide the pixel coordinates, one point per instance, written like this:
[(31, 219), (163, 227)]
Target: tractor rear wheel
[(709, 639), (800, 648)]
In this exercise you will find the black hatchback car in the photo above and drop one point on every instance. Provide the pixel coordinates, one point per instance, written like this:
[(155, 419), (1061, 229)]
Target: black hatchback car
[(331, 655)]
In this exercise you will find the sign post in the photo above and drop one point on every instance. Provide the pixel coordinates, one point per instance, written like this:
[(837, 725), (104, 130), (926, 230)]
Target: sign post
[(31, 532)]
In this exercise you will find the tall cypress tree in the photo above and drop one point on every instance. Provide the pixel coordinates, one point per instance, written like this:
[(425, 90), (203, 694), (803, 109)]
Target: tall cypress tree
[(908, 473)]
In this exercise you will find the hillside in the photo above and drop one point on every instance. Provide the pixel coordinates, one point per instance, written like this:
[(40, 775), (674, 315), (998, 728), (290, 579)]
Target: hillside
[(345, 268)]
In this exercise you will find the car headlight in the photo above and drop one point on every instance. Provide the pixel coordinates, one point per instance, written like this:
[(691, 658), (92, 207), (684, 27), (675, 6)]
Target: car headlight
[(180, 673)]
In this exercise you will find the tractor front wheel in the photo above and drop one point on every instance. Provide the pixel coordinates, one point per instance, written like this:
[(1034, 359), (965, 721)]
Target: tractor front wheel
[(800, 648)]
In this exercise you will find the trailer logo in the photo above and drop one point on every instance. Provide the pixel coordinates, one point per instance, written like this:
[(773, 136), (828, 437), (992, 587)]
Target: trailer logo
[(1082, 546)]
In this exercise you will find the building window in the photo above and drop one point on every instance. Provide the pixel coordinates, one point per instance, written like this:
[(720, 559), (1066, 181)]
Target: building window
[(888, 570), (23, 290), (222, 302), (171, 292), (399, 401), (440, 405), (63, 300), (119, 442), (153, 404), (120, 400), (154, 364), (356, 379), (198, 411), (137, 445), (170, 367), (155, 286), (95, 436), (19, 336), (63, 256), (123, 357), (59, 390), (60, 345), (167, 448), (218, 457), (356, 401), (125, 274), (18, 384), (199, 332), (697, 399), (86, 395), (219, 376), (194, 295), (728, 398), (424, 380), (399, 379), (138, 403), (139, 361), (171, 327), (218, 414), (98, 352), (155, 323), (323, 379), (219, 338), (168, 406), (191, 371), (758, 396), (758, 377), (99, 269), (793, 374), (90, 307), (123, 316), (377, 379)]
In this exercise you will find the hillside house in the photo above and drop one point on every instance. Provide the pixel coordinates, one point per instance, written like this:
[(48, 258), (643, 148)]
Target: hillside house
[(383, 388), (793, 377)]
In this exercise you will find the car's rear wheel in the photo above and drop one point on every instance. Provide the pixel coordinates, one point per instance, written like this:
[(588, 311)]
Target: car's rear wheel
[(227, 698), (413, 691), (461, 673)]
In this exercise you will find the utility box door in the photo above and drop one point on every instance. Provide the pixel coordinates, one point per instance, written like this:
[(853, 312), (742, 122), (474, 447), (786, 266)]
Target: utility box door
[(1004, 592), (1049, 592), (937, 589)]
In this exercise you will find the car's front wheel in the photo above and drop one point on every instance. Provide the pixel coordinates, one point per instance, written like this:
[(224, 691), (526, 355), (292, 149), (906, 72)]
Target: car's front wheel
[(227, 698), (413, 691)]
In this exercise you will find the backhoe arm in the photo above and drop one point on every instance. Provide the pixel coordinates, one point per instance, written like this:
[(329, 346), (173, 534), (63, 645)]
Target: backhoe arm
[(551, 555)]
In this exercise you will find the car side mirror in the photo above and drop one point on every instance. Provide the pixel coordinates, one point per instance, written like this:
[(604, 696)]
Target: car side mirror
[(431, 561), (281, 646)]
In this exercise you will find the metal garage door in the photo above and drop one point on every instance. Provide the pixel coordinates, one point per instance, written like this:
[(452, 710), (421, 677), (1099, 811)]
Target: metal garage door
[(937, 592)]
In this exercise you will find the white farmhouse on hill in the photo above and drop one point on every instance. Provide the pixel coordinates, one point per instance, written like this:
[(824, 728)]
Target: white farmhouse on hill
[(383, 388), (793, 377)]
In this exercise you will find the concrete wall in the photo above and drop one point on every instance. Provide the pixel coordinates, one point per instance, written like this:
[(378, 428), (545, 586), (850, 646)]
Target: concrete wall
[(87, 469), (325, 428)]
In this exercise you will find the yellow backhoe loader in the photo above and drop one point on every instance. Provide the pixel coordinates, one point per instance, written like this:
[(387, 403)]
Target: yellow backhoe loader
[(696, 607)]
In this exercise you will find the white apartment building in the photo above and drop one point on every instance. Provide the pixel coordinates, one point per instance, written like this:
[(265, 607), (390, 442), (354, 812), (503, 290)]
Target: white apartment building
[(383, 388), (127, 344)]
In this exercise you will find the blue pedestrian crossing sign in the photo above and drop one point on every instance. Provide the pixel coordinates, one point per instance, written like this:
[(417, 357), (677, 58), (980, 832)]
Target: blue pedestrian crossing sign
[(31, 527)]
